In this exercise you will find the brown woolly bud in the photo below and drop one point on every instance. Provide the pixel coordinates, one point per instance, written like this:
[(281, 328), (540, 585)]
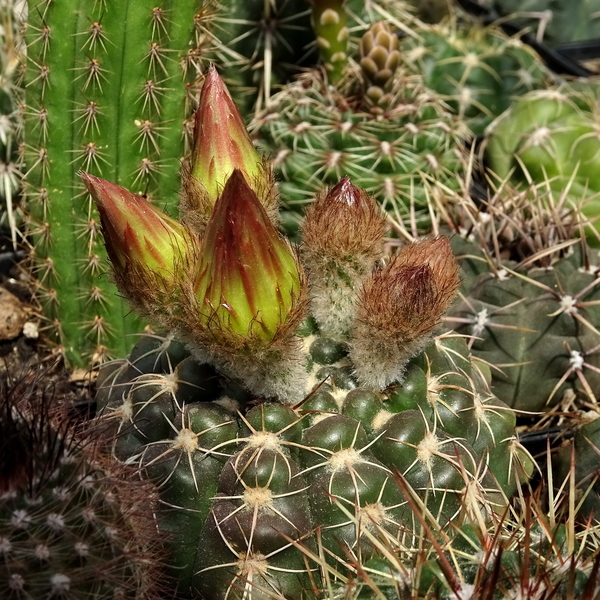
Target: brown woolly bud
[(380, 57), (344, 223), (221, 144), (399, 308), (343, 239)]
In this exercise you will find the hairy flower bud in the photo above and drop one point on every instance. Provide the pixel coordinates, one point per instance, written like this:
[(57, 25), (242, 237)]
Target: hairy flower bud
[(221, 144), (343, 239), (148, 249), (134, 230), (399, 307), (248, 280)]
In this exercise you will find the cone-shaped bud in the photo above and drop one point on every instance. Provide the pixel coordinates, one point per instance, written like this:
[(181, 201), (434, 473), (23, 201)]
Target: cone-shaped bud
[(345, 223), (399, 307), (221, 144), (221, 141), (329, 24), (248, 280), (343, 239), (380, 57), (135, 231)]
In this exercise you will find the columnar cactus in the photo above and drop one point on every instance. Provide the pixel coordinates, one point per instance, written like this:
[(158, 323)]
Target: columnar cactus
[(108, 90)]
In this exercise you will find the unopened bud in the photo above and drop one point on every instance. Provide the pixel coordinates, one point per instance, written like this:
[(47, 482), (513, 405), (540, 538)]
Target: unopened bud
[(248, 281), (221, 144), (399, 308), (147, 248), (343, 239)]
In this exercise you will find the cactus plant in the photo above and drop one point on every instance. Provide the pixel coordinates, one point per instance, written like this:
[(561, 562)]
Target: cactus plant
[(272, 435), (551, 136), (380, 126), (108, 91), (528, 297), (261, 45), (73, 522), (477, 70)]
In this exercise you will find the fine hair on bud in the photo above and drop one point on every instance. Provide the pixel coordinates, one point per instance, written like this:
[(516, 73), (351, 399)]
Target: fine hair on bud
[(343, 237), (399, 308), (221, 144)]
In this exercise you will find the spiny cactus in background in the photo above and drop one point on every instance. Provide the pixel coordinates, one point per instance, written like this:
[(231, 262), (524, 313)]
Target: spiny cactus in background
[(108, 90), (11, 53), (380, 126), (73, 522), (553, 21), (529, 297), (476, 70), (275, 437), (552, 136), (261, 45)]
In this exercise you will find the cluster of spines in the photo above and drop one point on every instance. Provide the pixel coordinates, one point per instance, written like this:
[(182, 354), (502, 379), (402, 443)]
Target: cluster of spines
[(73, 522), (107, 91)]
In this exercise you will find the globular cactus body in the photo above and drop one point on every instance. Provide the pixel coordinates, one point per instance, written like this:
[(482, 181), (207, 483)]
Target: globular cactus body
[(73, 522)]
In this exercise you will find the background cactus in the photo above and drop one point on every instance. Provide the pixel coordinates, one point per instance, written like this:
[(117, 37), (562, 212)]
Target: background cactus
[(108, 91), (550, 136), (11, 54), (380, 126), (476, 70), (73, 522), (263, 45)]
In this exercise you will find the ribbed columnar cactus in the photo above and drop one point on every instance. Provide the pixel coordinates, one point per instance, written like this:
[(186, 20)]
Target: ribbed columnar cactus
[(108, 90), (312, 400)]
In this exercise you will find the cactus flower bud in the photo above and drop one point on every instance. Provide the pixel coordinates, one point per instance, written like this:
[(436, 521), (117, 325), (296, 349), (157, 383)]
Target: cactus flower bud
[(399, 307), (248, 280), (135, 231), (343, 239), (150, 252), (221, 144)]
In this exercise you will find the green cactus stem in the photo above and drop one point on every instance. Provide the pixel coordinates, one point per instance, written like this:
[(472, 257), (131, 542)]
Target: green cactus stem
[(108, 90)]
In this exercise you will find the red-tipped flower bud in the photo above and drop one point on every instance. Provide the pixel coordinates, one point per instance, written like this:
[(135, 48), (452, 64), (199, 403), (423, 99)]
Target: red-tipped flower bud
[(343, 238), (135, 231), (345, 223), (248, 280), (221, 141), (399, 308), (221, 144)]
